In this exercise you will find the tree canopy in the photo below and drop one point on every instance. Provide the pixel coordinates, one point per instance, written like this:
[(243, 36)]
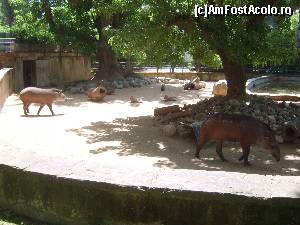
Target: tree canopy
[(157, 32)]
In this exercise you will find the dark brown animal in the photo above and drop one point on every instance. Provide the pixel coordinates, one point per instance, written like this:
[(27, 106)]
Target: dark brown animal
[(41, 96), (239, 128)]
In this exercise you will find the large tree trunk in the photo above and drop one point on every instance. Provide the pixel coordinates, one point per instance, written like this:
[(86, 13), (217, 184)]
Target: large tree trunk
[(109, 67), (8, 13), (236, 79)]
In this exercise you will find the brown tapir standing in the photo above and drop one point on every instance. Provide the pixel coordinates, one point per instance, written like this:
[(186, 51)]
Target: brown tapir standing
[(41, 96), (240, 128)]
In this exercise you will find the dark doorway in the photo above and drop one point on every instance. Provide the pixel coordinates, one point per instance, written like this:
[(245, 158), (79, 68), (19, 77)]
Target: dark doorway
[(29, 73)]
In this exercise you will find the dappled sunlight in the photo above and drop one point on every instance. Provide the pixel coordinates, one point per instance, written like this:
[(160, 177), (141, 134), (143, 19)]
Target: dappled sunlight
[(141, 137), (161, 146), (115, 131)]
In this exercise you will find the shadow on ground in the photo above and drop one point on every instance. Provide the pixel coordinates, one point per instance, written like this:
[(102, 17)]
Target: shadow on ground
[(149, 94), (140, 136)]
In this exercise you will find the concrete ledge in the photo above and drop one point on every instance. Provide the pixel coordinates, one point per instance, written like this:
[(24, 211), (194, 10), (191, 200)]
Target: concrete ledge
[(6, 85), (204, 76), (67, 201), (264, 80), (48, 171)]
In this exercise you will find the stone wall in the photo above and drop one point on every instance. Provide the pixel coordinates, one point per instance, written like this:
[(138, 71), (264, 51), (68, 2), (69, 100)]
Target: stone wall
[(6, 60), (6, 84), (69, 69), (57, 200), (205, 76), (53, 69)]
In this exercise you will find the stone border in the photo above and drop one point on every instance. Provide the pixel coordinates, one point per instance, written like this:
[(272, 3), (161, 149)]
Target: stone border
[(67, 201), (263, 80), (6, 84)]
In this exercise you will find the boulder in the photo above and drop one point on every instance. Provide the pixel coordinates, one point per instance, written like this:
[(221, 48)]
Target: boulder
[(96, 94), (173, 81), (220, 88), (184, 131), (200, 85), (169, 130)]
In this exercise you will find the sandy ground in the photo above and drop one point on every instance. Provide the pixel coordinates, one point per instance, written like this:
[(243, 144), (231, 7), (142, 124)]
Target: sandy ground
[(125, 134)]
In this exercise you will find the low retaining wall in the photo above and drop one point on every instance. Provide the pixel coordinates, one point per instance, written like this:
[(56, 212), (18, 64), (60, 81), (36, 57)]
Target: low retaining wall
[(264, 80), (6, 84), (213, 76), (66, 201)]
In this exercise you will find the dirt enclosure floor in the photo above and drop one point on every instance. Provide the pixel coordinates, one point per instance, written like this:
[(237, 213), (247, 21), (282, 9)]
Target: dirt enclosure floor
[(125, 135)]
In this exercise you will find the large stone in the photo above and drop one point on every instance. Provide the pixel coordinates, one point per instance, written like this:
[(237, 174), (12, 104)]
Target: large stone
[(96, 94), (220, 88), (76, 90), (200, 85), (173, 81), (279, 139), (184, 131), (169, 130)]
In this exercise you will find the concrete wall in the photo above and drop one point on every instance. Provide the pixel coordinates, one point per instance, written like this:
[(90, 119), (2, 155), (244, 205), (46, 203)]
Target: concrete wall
[(53, 69), (18, 81), (57, 200), (6, 84), (68, 69), (205, 76), (6, 60)]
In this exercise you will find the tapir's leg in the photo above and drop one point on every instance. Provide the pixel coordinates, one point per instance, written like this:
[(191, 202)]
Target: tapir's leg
[(202, 142), (219, 150), (25, 108), (50, 107), (246, 150), (41, 106)]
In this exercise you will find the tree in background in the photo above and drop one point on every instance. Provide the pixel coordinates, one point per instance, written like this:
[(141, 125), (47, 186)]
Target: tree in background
[(6, 15), (84, 25), (234, 41), (158, 32)]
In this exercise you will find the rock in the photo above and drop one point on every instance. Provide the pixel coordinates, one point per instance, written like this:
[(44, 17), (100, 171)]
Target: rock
[(272, 119), (183, 131), (234, 102), (169, 98), (279, 139), (76, 90), (96, 94), (200, 85), (166, 110), (220, 88), (169, 130), (133, 99), (119, 85), (126, 84), (173, 81)]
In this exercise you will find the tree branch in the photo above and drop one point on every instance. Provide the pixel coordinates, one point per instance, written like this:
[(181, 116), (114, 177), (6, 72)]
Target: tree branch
[(48, 14), (255, 21)]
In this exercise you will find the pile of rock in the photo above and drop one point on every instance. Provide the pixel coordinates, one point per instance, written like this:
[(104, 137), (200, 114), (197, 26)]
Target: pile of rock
[(110, 86), (279, 116)]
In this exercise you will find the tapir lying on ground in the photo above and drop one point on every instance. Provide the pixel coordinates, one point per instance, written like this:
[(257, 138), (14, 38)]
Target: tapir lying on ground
[(41, 96), (239, 128)]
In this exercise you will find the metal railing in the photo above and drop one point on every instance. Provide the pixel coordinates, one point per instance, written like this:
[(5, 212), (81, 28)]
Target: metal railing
[(7, 44)]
